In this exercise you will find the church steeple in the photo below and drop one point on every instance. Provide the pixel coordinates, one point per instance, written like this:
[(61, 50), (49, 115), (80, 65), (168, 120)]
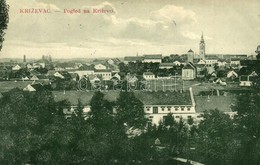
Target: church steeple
[(202, 48), (202, 39)]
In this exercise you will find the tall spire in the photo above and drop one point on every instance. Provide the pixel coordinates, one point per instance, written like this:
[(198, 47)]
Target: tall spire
[(202, 48), (202, 39)]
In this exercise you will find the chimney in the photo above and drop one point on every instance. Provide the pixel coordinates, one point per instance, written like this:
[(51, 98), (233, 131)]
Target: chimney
[(24, 58)]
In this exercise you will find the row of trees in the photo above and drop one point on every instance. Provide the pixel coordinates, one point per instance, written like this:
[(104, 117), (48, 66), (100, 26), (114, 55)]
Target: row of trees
[(34, 130), (139, 68)]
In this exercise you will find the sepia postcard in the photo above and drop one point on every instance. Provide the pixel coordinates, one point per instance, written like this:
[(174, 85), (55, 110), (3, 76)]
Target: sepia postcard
[(130, 82)]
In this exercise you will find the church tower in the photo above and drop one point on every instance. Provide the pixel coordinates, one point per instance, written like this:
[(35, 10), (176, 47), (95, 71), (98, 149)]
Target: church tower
[(202, 48)]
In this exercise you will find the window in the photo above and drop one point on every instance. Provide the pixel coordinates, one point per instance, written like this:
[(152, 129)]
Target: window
[(162, 108), (164, 118), (188, 108), (148, 108), (177, 116), (176, 108), (155, 109), (189, 117), (182, 109), (169, 108)]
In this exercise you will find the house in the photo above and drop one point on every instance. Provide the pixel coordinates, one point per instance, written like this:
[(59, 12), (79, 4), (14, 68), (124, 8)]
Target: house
[(201, 70), (45, 62), (58, 74), (62, 75), (247, 80), (213, 74), (104, 73), (16, 67), (113, 61), (222, 62), (211, 61), (94, 79), (34, 78), (235, 61), (154, 58), (189, 72), (232, 74), (177, 63), (29, 66), (100, 67), (25, 78), (84, 71), (157, 105), (33, 87), (148, 76), (201, 62), (220, 81), (116, 76), (134, 59), (166, 65)]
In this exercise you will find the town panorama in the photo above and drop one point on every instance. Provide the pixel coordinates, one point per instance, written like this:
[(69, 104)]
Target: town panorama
[(117, 105)]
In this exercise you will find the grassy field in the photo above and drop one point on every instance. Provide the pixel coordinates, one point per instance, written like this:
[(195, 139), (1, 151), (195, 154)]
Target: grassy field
[(8, 85)]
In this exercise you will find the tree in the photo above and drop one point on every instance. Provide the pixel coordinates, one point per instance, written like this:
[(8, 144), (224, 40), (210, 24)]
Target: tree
[(24, 118), (4, 19), (215, 141), (130, 110), (247, 128), (101, 112)]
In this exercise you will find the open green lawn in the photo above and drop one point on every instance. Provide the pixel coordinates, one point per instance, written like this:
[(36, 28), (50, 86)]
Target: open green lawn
[(8, 85)]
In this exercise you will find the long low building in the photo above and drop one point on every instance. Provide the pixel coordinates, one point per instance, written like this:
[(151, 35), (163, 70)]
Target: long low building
[(157, 105)]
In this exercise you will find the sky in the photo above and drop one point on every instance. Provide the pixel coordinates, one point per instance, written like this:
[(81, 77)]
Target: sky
[(133, 28)]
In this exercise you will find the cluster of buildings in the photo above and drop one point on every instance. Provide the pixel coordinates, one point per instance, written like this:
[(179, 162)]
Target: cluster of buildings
[(157, 104)]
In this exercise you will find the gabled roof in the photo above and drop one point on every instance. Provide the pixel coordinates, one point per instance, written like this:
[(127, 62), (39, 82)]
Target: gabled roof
[(147, 98), (34, 87), (189, 66), (86, 67), (191, 51), (148, 74), (133, 58), (152, 56), (164, 98), (65, 74)]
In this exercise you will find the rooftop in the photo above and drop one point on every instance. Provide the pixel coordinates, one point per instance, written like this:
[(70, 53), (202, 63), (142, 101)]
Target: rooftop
[(148, 73), (164, 98), (148, 98), (152, 56)]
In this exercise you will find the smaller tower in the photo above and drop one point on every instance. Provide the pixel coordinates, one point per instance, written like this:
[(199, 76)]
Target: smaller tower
[(190, 56), (24, 58), (202, 48)]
